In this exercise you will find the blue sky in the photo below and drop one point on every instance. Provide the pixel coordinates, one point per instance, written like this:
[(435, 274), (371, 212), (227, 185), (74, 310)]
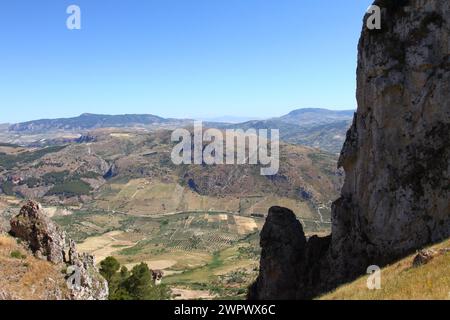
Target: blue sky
[(177, 58)]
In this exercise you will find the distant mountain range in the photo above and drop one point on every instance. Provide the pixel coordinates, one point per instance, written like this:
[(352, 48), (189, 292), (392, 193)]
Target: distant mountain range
[(89, 121), (229, 119), (315, 116), (321, 128)]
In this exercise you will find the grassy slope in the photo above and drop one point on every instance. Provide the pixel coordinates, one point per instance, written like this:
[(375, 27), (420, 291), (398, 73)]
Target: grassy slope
[(400, 281), (22, 276)]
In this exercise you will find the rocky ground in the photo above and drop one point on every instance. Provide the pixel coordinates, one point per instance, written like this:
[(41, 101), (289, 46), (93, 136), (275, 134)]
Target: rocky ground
[(37, 261)]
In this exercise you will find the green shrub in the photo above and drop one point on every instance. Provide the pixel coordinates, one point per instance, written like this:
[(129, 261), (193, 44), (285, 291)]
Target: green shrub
[(55, 177), (216, 261), (136, 284), (9, 161), (109, 267), (16, 254), (32, 182), (7, 188), (164, 223), (70, 188)]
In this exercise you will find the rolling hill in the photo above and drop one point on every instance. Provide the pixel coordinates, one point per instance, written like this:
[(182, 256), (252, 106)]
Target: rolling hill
[(318, 128), (116, 192), (89, 121), (308, 117), (126, 170)]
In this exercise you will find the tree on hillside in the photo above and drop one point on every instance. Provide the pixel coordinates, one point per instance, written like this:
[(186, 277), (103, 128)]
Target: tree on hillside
[(109, 267), (124, 273), (136, 284), (139, 284)]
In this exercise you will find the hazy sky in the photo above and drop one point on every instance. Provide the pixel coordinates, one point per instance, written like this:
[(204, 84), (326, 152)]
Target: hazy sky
[(177, 58)]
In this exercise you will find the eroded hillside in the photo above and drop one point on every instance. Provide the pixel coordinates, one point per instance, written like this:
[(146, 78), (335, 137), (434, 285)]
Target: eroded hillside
[(131, 172), (117, 193)]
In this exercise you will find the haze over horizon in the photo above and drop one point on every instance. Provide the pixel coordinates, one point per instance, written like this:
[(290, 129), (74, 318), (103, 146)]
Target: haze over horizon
[(176, 60)]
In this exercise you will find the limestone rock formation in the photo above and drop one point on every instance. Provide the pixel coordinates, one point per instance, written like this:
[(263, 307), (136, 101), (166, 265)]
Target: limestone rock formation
[(284, 246), (47, 241), (84, 282), (44, 237), (396, 195)]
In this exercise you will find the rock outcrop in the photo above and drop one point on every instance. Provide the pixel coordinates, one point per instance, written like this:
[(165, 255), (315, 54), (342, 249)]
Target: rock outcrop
[(46, 241), (287, 258), (43, 236), (84, 280), (425, 256), (396, 195)]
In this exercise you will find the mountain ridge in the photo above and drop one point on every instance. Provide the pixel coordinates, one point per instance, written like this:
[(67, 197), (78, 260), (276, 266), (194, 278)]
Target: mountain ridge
[(120, 120), (88, 121), (314, 127), (326, 115)]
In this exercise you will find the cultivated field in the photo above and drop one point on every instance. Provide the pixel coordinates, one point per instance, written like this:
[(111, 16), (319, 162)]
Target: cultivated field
[(203, 254)]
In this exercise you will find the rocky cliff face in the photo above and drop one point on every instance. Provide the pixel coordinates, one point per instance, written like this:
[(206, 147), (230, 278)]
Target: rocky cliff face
[(47, 242), (397, 154), (396, 195)]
